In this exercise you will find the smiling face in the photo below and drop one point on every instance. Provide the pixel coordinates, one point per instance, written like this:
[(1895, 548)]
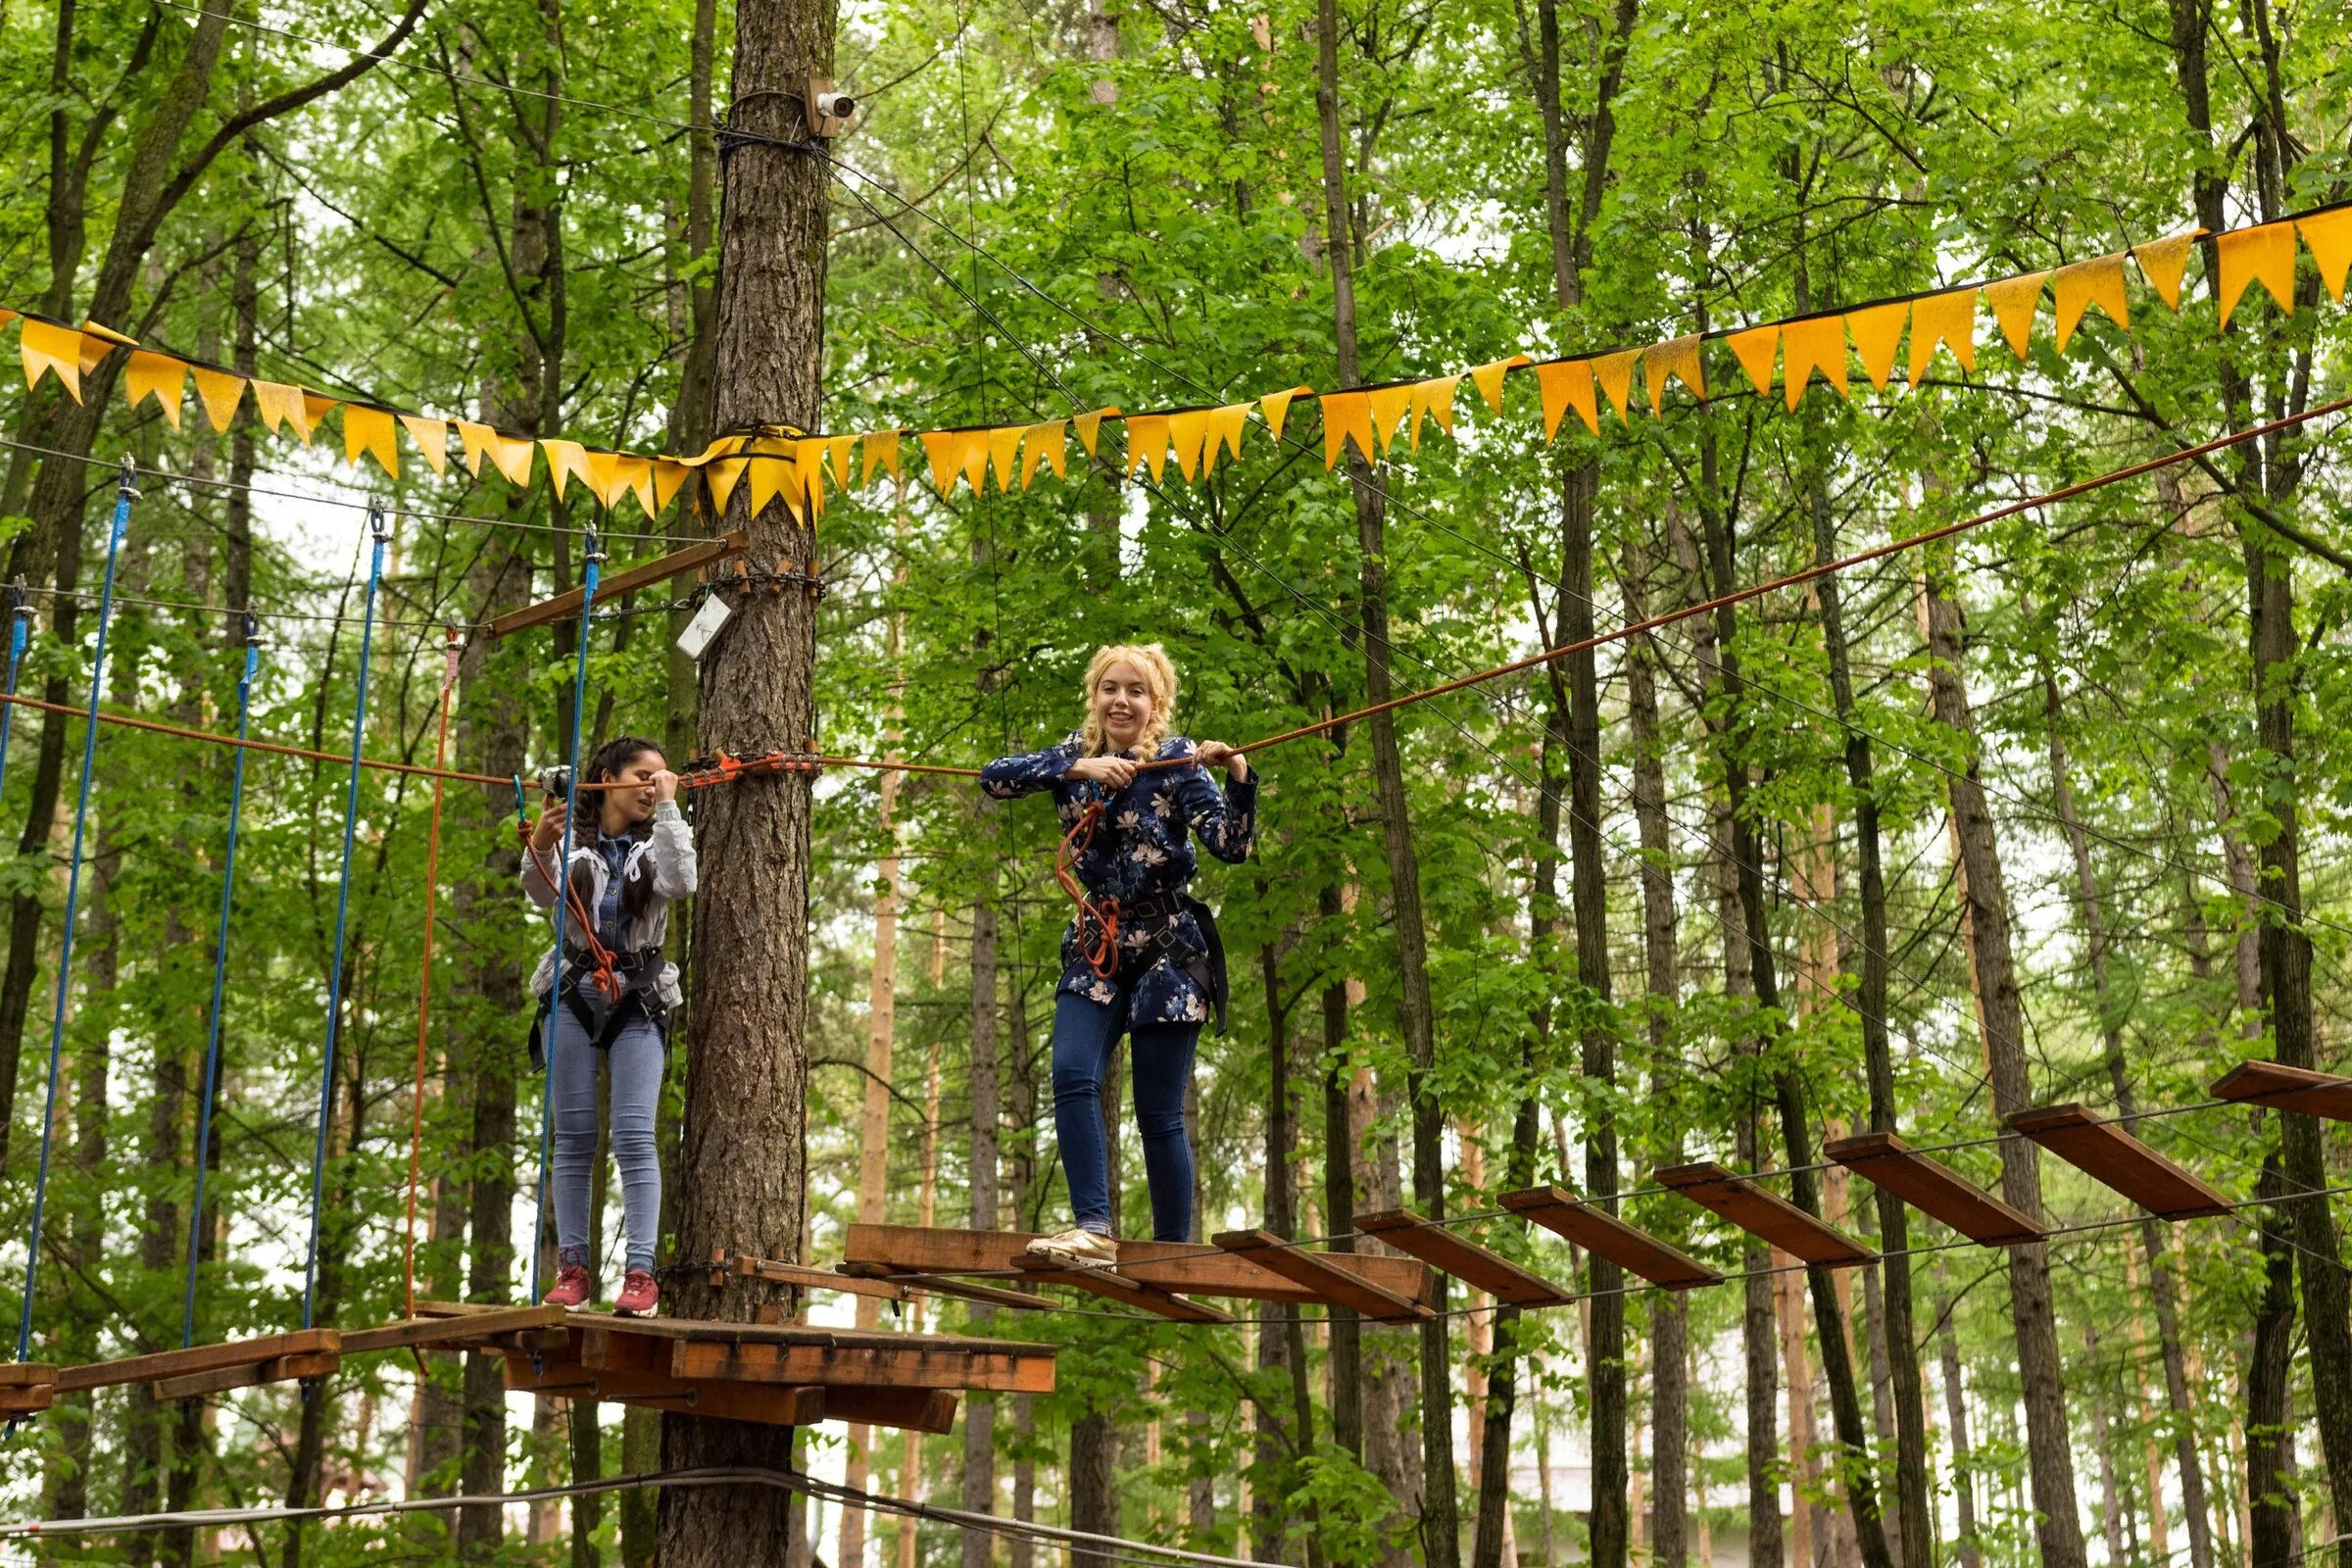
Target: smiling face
[(625, 808), (1123, 703)]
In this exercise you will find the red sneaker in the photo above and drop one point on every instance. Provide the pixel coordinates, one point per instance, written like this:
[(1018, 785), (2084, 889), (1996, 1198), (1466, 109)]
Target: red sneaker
[(638, 1296), (571, 1288)]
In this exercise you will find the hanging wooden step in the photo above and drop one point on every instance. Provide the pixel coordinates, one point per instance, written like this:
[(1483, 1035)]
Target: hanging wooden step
[(689, 1350), (303, 1367), (1019, 1300), (1113, 1286), (1461, 1257), (1176, 1267), (26, 1388), (613, 585), (2267, 1083), (1936, 1189), (1765, 1215), (1604, 1235), (441, 1325), (169, 1365), (2108, 1154), (1319, 1274)]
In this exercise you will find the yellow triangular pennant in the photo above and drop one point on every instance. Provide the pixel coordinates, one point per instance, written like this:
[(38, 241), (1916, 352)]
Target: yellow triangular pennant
[(1044, 443), (1487, 378), (2263, 254), (1677, 358), (2013, 301), (1434, 398), (97, 342), (805, 474), (1388, 406), (1754, 350), (57, 350), (1346, 415), (1613, 374), (775, 471), (2329, 236), (513, 455), (473, 443), (604, 477), (315, 407), (1146, 443), (1275, 406), (220, 392), (2163, 260), (279, 406), (1567, 384), (156, 375), (1878, 331), (1089, 428), (1816, 343), (1225, 427), (1187, 432), (431, 437), (2074, 288), (837, 453), (881, 449), (669, 476), (722, 475), (566, 460), (634, 475), (942, 452), (1948, 318), (370, 430), (1004, 454)]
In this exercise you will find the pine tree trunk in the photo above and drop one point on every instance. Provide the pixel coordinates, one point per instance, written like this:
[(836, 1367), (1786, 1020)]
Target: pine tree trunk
[(1339, 1198), (1955, 1415), (980, 1411)]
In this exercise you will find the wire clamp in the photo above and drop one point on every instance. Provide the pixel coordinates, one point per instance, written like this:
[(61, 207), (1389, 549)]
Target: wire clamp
[(379, 526), (126, 481)]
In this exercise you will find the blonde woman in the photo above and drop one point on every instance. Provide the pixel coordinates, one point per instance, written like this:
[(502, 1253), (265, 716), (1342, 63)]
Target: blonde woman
[(1142, 956)]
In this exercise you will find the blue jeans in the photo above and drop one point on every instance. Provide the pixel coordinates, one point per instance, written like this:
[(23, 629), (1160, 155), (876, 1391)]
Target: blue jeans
[(636, 1061), (1084, 1032)]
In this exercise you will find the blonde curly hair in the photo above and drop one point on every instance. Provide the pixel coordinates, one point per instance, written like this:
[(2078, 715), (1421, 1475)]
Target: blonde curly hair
[(1159, 674)]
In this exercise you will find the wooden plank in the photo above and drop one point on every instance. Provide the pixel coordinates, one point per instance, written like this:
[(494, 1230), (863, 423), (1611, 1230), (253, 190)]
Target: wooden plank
[(1020, 1301), (660, 570), (908, 1409), (440, 1330), (1604, 1235), (197, 1359), (748, 1268), (1763, 1214), (1464, 1259), (683, 1328), (2108, 1155), (1314, 1271), (827, 1366), (768, 1405), (1936, 1189), (25, 1374), (1173, 1266), (29, 1398), (2267, 1083), (1112, 1285), (281, 1369)]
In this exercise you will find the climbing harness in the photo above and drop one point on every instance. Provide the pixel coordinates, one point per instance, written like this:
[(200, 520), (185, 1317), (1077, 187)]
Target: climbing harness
[(211, 1044), (1097, 924), (379, 532), (125, 492), (592, 558), (424, 981)]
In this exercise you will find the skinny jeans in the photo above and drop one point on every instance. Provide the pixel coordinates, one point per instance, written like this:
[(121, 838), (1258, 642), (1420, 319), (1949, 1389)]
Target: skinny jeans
[(1083, 1030), (635, 1056)]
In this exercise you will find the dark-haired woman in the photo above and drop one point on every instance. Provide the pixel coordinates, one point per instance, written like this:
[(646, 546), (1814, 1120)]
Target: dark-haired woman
[(631, 855)]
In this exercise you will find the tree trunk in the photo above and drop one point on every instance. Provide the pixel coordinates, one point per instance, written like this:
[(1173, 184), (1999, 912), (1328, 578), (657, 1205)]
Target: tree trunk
[(1339, 1198), (2274, 1508), (1955, 1415), (980, 1411), (744, 1171)]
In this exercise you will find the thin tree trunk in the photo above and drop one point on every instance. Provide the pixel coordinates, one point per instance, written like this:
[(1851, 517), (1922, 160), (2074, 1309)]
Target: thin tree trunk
[(1955, 1415), (2274, 1505), (1339, 1198)]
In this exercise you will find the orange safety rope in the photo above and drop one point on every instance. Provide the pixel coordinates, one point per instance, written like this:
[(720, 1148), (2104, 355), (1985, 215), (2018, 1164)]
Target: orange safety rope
[(424, 982), (607, 972), (1101, 951)]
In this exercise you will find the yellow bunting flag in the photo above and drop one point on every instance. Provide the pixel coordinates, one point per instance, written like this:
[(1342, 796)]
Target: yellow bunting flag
[(2329, 236), (1676, 359), (1186, 433), (1146, 443), (2263, 254), (220, 392), (941, 449), (1225, 426), (2013, 301), (431, 437), (837, 453), (1567, 384), (807, 469), (1044, 443), (1614, 375), (56, 350), (775, 471), (604, 476), (97, 342), (370, 430), (1346, 415), (1877, 332), (723, 477), (1816, 343), (881, 451), (634, 475), (1089, 428), (972, 456), (156, 375), (2075, 287), (316, 406), (669, 476), (2163, 260), (512, 454), (1754, 350), (1004, 454), (1389, 404), (1949, 320), (566, 460), (1487, 378), (1275, 406), (1435, 399), (280, 405)]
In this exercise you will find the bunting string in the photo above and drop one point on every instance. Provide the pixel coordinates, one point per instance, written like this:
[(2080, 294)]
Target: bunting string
[(799, 467)]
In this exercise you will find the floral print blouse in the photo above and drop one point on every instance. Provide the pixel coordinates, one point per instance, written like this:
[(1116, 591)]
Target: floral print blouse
[(1139, 847)]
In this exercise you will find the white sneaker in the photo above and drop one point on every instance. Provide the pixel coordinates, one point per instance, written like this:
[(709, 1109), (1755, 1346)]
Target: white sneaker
[(1077, 1249)]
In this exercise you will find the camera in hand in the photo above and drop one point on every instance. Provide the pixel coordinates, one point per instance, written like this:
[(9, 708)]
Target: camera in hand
[(557, 781)]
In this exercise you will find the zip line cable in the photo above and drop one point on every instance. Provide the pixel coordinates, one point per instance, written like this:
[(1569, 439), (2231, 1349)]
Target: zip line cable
[(125, 492), (380, 534), (211, 1044)]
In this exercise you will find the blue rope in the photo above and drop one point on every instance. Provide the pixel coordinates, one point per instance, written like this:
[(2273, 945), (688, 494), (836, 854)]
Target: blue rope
[(211, 1047), (593, 556), (124, 494), (380, 529)]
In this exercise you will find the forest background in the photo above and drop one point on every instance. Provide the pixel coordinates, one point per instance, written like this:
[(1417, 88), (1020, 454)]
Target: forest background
[(2054, 814)]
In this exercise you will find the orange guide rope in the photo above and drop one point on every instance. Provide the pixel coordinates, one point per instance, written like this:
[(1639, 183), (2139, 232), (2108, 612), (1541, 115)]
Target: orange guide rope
[(424, 983), (1102, 953)]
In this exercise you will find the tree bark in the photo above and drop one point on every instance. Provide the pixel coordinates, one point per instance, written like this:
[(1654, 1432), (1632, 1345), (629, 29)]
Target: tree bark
[(1339, 1198), (980, 1411), (2274, 1506)]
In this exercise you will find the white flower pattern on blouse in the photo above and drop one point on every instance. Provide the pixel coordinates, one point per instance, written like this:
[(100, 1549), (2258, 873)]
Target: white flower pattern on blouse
[(1141, 847)]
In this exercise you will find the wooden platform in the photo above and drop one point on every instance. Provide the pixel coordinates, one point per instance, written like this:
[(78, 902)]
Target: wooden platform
[(2267, 1083), (1323, 1275), (2108, 1155), (1604, 1235), (1936, 1189), (1474, 1265), (1765, 1215), (26, 1388), (1176, 1268)]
